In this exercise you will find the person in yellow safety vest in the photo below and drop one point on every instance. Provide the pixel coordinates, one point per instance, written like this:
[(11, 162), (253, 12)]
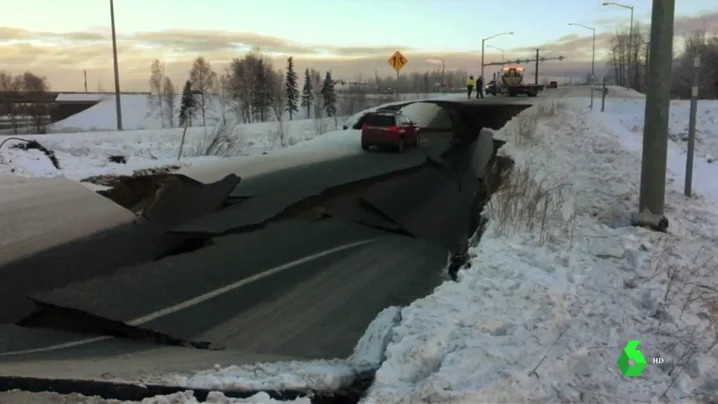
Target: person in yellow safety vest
[(470, 83)]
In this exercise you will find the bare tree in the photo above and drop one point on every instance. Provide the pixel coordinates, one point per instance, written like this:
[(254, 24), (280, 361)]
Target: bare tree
[(203, 80), (9, 87), (223, 85), (250, 86), (262, 91), (156, 91), (36, 88), (697, 44), (276, 82), (628, 58), (169, 93)]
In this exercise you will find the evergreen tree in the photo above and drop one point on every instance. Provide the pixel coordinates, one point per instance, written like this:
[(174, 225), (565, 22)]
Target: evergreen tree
[(329, 95), (187, 105), (291, 87), (307, 93)]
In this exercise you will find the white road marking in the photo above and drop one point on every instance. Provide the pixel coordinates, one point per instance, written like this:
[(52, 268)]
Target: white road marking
[(196, 300)]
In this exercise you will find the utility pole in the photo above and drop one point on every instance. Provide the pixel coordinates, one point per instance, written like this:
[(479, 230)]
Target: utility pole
[(117, 72), (655, 127), (85, 72), (692, 126), (537, 67)]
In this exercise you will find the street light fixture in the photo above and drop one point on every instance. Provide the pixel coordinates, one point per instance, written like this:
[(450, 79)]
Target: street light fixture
[(117, 72), (593, 55), (483, 42), (630, 35)]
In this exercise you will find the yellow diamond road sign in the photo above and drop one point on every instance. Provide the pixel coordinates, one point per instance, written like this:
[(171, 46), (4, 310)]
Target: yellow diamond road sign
[(397, 61)]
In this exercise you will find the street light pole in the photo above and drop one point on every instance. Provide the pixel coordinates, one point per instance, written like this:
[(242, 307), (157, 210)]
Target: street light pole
[(117, 70), (483, 44), (593, 56), (630, 40)]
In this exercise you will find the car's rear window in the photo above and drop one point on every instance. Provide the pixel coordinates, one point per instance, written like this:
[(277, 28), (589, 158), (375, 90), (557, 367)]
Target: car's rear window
[(380, 120)]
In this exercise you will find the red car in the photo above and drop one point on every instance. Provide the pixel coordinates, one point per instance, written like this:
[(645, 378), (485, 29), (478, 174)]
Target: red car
[(389, 129)]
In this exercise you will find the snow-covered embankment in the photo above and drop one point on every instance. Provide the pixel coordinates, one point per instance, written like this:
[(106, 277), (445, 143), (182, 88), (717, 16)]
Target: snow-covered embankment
[(561, 282)]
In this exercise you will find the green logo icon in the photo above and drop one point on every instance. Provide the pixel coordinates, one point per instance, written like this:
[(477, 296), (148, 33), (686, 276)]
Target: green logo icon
[(631, 353)]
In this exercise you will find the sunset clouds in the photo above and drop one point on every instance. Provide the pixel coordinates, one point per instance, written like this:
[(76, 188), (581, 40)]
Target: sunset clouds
[(62, 57)]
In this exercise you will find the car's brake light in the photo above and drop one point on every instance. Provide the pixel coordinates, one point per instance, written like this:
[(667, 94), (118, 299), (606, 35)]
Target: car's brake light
[(394, 129)]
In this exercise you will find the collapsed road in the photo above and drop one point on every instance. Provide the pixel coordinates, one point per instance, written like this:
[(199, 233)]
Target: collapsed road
[(285, 264)]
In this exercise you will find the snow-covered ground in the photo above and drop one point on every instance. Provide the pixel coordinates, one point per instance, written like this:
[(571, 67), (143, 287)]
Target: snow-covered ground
[(85, 154), (82, 155), (629, 114)]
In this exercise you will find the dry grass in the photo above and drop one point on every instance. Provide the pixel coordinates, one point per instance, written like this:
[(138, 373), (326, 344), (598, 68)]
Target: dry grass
[(221, 141), (524, 204), (280, 133), (320, 125), (685, 322), (526, 122), (519, 201), (549, 108)]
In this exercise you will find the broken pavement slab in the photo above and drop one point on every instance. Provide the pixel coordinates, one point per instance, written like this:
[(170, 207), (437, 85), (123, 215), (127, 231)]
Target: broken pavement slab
[(179, 201)]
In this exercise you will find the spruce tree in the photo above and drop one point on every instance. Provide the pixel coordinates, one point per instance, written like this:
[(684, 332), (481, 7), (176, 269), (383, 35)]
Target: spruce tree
[(187, 105), (290, 83), (307, 93), (329, 96)]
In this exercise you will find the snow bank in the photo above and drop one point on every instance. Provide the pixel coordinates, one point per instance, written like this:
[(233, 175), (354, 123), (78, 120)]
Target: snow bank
[(318, 375), (561, 282), (82, 155)]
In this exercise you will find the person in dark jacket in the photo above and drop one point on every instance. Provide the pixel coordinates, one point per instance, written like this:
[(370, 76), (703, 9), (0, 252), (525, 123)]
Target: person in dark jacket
[(470, 85), (480, 87)]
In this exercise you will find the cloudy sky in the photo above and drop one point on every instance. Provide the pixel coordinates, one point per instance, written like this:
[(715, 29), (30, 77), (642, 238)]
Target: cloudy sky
[(61, 39)]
